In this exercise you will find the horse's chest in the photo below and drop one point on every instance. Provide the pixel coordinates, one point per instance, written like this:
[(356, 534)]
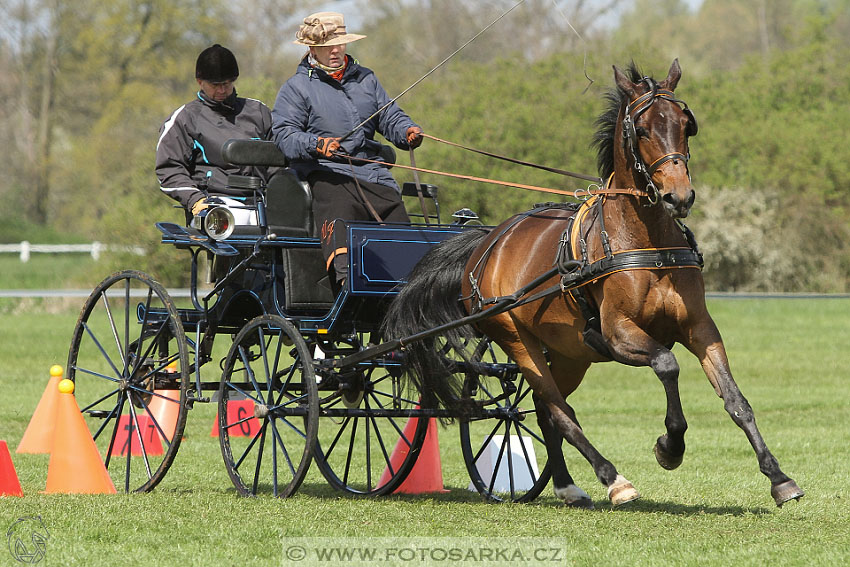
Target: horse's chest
[(648, 299)]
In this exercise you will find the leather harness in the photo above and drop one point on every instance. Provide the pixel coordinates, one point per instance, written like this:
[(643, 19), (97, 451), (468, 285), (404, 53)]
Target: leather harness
[(576, 269)]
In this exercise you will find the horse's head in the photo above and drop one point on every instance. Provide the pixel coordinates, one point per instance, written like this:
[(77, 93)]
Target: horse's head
[(654, 128)]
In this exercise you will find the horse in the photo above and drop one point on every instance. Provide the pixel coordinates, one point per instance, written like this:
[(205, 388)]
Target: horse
[(648, 296)]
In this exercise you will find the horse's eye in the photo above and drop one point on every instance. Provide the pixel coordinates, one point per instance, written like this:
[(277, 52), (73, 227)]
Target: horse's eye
[(642, 132)]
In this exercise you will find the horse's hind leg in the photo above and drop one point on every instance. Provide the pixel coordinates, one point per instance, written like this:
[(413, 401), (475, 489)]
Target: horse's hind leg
[(532, 363), (562, 481), (708, 347)]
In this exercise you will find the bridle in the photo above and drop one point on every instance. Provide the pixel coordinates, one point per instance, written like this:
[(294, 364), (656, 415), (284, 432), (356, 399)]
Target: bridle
[(633, 111)]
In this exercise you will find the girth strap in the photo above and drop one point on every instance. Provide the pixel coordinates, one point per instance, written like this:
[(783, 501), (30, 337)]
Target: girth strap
[(650, 259)]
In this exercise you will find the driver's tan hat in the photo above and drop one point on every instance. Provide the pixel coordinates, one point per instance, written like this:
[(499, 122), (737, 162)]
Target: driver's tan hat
[(324, 28)]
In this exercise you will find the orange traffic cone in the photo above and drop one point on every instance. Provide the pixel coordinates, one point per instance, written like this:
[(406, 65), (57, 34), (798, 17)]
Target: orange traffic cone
[(75, 465), (165, 411), (427, 473), (9, 483), (38, 436), (164, 408)]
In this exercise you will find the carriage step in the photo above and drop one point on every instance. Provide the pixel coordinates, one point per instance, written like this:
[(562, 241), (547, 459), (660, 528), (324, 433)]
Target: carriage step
[(99, 414)]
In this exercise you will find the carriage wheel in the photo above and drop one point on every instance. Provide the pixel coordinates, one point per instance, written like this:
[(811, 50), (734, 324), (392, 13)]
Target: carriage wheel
[(130, 363), (267, 408), (365, 446), (512, 443)]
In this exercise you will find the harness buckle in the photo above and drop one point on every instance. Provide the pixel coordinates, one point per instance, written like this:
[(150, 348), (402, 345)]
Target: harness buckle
[(476, 293)]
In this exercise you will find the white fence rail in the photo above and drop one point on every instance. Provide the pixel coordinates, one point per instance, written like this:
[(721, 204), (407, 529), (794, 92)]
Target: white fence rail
[(24, 249)]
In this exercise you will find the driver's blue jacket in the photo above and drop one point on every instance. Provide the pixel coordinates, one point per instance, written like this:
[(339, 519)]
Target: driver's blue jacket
[(311, 104)]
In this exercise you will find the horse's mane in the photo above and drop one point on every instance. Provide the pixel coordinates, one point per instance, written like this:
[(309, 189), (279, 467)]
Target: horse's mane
[(603, 139)]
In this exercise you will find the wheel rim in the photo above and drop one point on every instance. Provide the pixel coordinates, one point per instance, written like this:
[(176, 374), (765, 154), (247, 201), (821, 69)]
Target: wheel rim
[(267, 409), (129, 361), (367, 445), (512, 443)]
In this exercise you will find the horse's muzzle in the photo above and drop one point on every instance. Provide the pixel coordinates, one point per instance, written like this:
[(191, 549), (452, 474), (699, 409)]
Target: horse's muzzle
[(678, 204)]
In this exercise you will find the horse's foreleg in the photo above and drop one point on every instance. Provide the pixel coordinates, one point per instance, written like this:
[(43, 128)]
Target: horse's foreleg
[(562, 481), (631, 345), (708, 347)]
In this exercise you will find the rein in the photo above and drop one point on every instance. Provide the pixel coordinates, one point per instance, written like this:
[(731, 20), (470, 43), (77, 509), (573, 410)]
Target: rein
[(580, 194), (597, 180)]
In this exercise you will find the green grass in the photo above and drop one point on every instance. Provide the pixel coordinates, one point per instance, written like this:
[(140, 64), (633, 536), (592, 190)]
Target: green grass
[(50, 271), (787, 355)]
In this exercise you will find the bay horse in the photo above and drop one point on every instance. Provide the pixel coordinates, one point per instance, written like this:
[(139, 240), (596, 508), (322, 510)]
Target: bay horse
[(653, 297)]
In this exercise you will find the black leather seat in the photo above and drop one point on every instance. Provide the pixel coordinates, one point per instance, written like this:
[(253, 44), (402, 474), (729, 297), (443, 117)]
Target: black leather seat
[(289, 205)]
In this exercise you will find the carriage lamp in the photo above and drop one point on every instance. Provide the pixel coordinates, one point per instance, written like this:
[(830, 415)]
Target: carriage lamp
[(216, 222)]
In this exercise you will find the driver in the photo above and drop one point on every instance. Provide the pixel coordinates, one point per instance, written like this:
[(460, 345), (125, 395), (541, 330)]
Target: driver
[(330, 95), (189, 164)]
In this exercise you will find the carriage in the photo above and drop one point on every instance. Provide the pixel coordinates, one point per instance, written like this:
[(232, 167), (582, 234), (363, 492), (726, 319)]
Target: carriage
[(308, 375), (305, 377)]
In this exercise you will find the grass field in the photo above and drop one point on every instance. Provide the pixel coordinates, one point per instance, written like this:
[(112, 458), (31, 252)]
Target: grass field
[(50, 271), (788, 356)]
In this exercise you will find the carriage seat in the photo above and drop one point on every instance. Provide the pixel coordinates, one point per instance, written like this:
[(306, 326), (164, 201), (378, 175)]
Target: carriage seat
[(289, 202), (253, 152), (289, 205)]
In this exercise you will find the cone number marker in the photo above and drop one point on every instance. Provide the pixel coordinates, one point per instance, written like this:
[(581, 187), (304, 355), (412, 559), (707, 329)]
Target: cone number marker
[(127, 437)]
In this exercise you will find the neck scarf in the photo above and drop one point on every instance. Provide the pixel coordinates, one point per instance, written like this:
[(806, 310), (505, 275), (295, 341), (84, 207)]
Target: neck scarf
[(334, 72)]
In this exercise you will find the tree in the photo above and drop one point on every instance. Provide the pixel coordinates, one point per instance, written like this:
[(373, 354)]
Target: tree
[(29, 43), (262, 36), (407, 39)]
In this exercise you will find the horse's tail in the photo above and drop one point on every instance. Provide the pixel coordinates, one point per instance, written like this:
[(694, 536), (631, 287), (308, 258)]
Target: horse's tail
[(430, 298)]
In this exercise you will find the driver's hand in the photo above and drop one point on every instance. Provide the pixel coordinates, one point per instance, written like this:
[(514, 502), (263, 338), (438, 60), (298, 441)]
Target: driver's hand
[(327, 146), (414, 137), (200, 205)]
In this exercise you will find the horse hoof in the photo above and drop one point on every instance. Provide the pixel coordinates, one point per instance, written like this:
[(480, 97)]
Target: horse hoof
[(665, 459), (574, 497), (785, 491), (622, 491)]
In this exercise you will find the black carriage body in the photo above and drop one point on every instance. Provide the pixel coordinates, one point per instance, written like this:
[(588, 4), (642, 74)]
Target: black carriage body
[(287, 277), (380, 258)]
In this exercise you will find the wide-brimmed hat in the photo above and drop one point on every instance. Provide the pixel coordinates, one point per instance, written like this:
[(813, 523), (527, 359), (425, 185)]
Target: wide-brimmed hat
[(324, 28)]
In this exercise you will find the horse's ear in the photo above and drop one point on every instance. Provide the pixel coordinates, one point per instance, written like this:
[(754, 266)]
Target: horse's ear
[(673, 76), (624, 83)]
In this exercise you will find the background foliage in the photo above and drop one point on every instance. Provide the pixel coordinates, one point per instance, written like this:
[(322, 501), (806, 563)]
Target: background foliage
[(89, 83)]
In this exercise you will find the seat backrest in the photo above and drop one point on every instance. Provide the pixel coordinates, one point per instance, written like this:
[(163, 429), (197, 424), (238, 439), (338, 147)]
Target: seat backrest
[(428, 192), (289, 202), (252, 152), (289, 205)]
